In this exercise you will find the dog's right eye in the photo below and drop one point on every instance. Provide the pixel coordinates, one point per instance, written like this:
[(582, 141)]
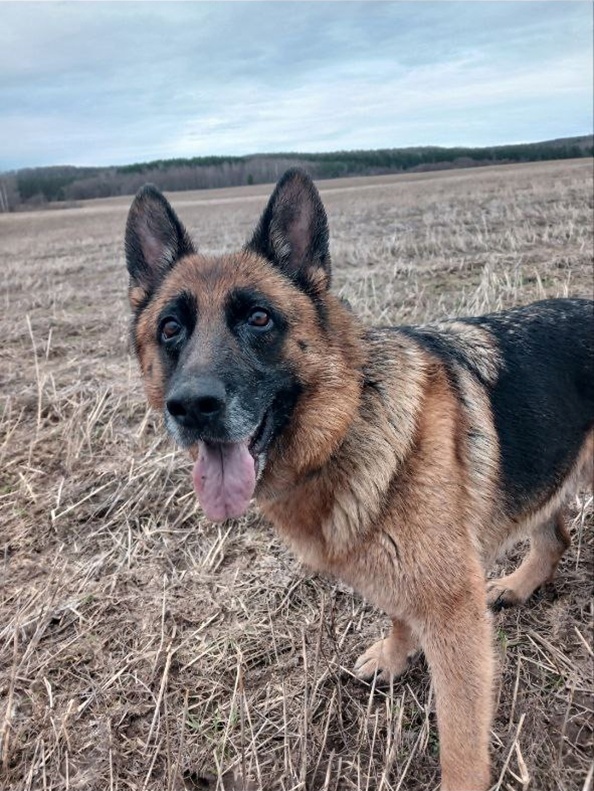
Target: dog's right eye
[(170, 329), (260, 319)]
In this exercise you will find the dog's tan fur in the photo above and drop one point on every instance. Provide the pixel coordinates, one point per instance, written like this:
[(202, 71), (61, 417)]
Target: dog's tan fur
[(388, 477)]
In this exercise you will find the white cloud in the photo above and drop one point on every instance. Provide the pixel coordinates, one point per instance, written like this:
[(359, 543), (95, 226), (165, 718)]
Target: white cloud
[(101, 83)]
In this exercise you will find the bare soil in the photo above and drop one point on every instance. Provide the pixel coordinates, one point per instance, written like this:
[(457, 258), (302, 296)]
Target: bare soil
[(143, 648)]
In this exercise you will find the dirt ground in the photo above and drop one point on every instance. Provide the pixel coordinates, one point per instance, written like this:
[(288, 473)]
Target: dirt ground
[(142, 648)]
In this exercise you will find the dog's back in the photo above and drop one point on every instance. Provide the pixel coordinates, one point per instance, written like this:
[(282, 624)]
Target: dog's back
[(537, 365), (543, 400)]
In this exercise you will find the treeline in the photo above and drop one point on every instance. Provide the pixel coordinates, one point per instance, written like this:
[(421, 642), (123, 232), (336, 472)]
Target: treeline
[(33, 187)]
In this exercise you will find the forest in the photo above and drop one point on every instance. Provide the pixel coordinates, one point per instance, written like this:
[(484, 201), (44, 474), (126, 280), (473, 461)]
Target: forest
[(31, 188)]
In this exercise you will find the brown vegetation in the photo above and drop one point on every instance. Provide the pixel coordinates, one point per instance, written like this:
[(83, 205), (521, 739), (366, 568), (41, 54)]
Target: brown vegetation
[(144, 648)]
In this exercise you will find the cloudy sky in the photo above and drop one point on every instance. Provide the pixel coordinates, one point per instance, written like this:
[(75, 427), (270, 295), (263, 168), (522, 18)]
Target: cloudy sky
[(102, 83)]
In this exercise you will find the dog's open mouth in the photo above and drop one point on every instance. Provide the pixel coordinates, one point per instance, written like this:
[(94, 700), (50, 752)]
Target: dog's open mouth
[(261, 438), (225, 473)]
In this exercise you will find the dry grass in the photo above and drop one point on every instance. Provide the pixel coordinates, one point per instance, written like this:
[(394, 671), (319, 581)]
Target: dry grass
[(143, 648)]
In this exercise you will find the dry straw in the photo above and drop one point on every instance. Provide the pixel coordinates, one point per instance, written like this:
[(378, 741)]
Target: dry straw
[(143, 648)]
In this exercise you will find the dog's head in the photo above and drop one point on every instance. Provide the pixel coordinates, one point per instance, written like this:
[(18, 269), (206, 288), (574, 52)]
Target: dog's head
[(228, 345)]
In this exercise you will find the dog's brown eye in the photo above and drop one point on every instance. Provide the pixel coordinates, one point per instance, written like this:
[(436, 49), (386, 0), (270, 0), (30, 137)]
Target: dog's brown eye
[(170, 329), (259, 318)]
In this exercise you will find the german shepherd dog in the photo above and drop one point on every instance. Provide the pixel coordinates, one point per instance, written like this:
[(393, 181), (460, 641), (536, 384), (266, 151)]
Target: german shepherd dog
[(401, 460)]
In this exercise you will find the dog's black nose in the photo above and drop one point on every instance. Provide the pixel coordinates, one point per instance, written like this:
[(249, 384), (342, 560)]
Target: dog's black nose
[(191, 403)]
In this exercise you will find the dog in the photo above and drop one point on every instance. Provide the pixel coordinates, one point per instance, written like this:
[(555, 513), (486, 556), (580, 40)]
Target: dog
[(401, 460)]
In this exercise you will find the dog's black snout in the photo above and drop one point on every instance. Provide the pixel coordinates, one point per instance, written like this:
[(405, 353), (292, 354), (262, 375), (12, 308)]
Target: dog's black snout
[(203, 405), (194, 402)]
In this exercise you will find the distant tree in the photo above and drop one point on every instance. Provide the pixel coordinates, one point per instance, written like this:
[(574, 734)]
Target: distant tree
[(33, 186), (9, 193)]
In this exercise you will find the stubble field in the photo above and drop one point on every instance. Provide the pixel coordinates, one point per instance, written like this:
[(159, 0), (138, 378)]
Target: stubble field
[(142, 648)]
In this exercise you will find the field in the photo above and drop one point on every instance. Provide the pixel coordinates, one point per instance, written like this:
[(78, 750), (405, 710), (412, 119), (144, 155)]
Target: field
[(143, 648)]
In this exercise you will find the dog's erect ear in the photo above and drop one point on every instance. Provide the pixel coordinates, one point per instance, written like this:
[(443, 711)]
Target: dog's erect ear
[(155, 240), (293, 231)]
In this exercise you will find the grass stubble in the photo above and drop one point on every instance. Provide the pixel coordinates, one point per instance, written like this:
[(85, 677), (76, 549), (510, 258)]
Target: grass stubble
[(144, 648)]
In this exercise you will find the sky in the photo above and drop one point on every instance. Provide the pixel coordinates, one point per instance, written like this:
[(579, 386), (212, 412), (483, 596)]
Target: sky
[(101, 83)]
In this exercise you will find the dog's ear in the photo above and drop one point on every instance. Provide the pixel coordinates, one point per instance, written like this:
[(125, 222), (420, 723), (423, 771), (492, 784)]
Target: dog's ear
[(293, 231), (155, 240)]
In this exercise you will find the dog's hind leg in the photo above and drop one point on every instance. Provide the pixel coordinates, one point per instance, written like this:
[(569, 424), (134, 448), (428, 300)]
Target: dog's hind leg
[(387, 658), (548, 543)]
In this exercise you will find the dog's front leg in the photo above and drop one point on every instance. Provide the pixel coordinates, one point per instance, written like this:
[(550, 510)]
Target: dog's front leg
[(459, 651)]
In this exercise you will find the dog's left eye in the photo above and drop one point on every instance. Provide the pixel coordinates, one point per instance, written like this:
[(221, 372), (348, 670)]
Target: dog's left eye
[(170, 329), (260, 319)]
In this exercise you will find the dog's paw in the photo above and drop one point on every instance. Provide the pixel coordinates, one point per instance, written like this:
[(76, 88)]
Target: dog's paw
[(383, 660), (501, 595)]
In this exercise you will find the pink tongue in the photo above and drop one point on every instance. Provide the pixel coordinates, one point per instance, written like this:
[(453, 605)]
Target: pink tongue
[(224, 480)]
